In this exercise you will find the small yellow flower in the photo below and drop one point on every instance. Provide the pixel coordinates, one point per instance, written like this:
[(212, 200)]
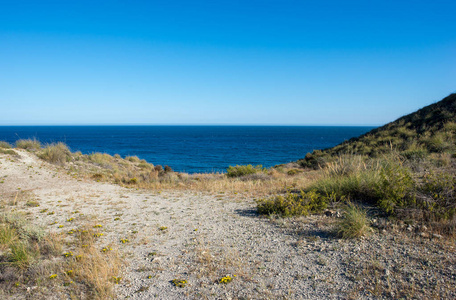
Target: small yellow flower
[(70, 219), (226, 279), (116, 279), (97, 226), (179, 283), (60, 226), (124, 241), (53, 276), (69, 272), (163, 228), (68, 254)]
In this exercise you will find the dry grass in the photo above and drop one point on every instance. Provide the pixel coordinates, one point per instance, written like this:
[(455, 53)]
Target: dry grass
[(77, 268), (354, 223), (29, 144), (57, 153)]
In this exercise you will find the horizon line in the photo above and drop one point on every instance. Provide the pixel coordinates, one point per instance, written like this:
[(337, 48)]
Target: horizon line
[(208, 124)]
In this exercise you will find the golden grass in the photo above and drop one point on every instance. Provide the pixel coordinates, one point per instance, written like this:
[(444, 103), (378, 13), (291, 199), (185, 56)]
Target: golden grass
[(32, 257)]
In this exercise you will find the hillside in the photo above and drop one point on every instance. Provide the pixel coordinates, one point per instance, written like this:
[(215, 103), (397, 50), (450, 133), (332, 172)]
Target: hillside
[(431, 129)]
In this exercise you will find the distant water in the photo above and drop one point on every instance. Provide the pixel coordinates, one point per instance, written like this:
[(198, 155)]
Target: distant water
[(193, 148)]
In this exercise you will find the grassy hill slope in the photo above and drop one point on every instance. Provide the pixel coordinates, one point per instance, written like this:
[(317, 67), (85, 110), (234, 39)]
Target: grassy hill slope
[(431, 129)]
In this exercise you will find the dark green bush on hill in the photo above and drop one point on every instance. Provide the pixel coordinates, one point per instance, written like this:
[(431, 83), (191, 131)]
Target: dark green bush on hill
[(243, 170), (293, 204)]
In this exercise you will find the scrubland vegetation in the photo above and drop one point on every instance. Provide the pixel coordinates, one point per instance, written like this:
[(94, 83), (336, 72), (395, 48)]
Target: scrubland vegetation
[(401, 173), (404, 169), (53, 263)]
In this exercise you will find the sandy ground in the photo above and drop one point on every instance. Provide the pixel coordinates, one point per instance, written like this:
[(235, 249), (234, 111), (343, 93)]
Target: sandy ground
[(206, 238)]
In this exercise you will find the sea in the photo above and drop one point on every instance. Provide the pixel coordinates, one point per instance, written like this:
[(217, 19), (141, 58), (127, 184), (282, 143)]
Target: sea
[(193, 149)]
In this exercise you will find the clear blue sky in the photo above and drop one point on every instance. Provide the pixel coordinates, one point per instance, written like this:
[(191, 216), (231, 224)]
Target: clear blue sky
[(223, 62)]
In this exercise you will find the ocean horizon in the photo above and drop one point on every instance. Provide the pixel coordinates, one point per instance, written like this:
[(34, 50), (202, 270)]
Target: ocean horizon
[(192, 148)]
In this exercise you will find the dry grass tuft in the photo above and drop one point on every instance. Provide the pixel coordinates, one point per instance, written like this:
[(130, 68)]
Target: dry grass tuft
[(29, 144), (354, 223)]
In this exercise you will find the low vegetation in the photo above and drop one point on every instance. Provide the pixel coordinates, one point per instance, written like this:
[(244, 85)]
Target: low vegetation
[(244, 170), (354, 222), (32, 257), (29, 144), (404, 169), (56, 153)]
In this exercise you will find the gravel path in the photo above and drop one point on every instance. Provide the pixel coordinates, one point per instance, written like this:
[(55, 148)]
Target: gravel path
[(201, 238)]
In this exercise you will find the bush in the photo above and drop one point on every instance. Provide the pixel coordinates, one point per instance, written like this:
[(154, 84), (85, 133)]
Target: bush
[(395, 188), (314, 160), (168, 169), (238, 171), (28, 144), (8, 151), (56, 154), (293, 204), (293, 172), (5, 145), (439, 194), (132, 158), (354, 222)]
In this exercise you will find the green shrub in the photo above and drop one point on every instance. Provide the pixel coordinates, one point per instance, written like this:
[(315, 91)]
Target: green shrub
[(56, 153), (7, 151), (415, 153), (440, 195), (293, 204), (354, 222), (360, 185), (395, 188), (293, 172), (132, 158), (5, 145), (314, 160), (242, 170), (28, 144), (8, 235), (21, 256)]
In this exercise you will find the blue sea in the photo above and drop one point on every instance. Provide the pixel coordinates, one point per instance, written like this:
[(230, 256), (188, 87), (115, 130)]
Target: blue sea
[(193, 148)]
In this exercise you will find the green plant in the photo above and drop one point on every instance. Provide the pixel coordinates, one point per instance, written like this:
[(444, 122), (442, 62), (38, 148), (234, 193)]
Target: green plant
[(8, 151), (395, 188), (132, 158), (438, 189), (29, 144), (293, 204), (21, 256), (242, 170), (56, 153), (5, 145), (354, 222)]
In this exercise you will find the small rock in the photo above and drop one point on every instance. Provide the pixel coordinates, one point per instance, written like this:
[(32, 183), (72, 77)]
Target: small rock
[(409, 228), (437, 236), (424, 234)]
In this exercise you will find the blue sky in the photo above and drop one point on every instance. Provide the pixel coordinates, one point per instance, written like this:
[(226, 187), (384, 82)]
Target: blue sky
[(223, 62)]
